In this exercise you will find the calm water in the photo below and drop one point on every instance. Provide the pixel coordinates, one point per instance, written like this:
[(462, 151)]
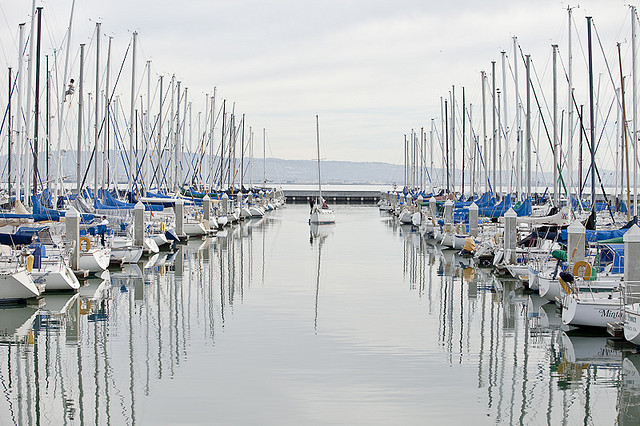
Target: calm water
[(357, 323)]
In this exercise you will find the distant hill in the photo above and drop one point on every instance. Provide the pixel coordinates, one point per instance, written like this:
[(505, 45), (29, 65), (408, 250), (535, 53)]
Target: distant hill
[(277, 170), (306, 171), (284, 171)]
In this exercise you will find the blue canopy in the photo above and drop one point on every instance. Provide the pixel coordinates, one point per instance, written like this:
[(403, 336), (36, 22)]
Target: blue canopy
[(108, 202), (41, 213), (614, 254), (525, 209), (594, 236)]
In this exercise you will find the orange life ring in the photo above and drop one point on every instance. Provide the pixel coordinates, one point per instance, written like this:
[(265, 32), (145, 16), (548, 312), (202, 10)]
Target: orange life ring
[(87, 308), (565, 286), (87, 243), (587, 270), (30, 260)]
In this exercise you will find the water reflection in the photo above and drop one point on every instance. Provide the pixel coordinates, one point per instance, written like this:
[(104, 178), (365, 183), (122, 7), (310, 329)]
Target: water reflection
[(88, 357), (406, 329), (317, 237), (525, 361)]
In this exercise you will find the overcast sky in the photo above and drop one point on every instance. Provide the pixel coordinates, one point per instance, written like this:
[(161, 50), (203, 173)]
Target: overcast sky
[(371, 69)]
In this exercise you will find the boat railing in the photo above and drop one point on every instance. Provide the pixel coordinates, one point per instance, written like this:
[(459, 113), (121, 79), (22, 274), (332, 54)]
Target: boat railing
[(631, 292)]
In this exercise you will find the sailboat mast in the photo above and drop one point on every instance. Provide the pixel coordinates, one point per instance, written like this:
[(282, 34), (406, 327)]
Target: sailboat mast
[(48, 121), (506, 121), (528, 124), (592, 118), (494, 129), (132, 112), (634, 61), (624, 137), (264, 157), (176, 139), (211, 137), (37, 103), (318, 143), (27, 144), (446, 141), (464, 135), (97, 111), (433, 124), (9, 139), (148, 165), (498, 142), (62, 100), (224, 122), (556, 147), (80, 106), (159, 149), (569, 174), (106, 153), (453, 139), (242, 156), (484, 129), (444, 153), (518, 150)]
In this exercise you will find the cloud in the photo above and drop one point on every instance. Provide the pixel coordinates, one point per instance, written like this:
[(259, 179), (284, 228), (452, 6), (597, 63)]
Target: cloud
[(372, 69)]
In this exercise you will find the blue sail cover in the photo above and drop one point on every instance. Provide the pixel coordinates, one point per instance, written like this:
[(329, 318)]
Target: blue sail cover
[(108, 202), (15, 239), (492, 210), (614, 254), (496, 210), (485, 200), (525, 208), (41, 213), (595, 236), (600, 206)]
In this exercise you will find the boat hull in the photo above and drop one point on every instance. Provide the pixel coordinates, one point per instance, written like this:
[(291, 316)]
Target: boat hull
[(632, 323), (593, 310), (322, 217), (128, 254), (17, 285), (94, 260), (56, 277)]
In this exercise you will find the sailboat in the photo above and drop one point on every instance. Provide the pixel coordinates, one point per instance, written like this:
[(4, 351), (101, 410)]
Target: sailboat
[(320, 213)]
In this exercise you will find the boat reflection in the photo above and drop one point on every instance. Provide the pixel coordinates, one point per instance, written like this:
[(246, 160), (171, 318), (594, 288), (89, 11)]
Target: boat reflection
[(317, 237), (16, 322), (104, 347), (524, 359)]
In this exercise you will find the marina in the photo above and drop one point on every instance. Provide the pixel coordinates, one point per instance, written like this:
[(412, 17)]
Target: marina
[(158, 267), (363, 316)]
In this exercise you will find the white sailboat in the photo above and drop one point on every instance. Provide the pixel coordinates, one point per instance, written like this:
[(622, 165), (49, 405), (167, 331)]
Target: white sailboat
[(321, 214)]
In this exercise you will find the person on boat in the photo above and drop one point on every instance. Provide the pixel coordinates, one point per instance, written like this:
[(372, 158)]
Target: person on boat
[(324, 205), (70, 90), (311, 204), (103, 223)]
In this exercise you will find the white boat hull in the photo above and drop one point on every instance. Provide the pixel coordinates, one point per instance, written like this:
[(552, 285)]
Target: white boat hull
[(405, 217), (150, 246), (56, 277), (518, 271), (94, 260), (591, 310), (128, 254), (632, 323), (160, 239), (17, 285), (548, 288), (194, 229), (256, 211), (322, 217)]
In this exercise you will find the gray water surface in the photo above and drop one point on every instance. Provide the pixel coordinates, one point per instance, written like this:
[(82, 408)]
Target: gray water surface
[(274, 322)]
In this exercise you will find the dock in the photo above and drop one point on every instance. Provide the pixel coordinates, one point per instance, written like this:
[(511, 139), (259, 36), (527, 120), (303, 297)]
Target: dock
[(336, 197)]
